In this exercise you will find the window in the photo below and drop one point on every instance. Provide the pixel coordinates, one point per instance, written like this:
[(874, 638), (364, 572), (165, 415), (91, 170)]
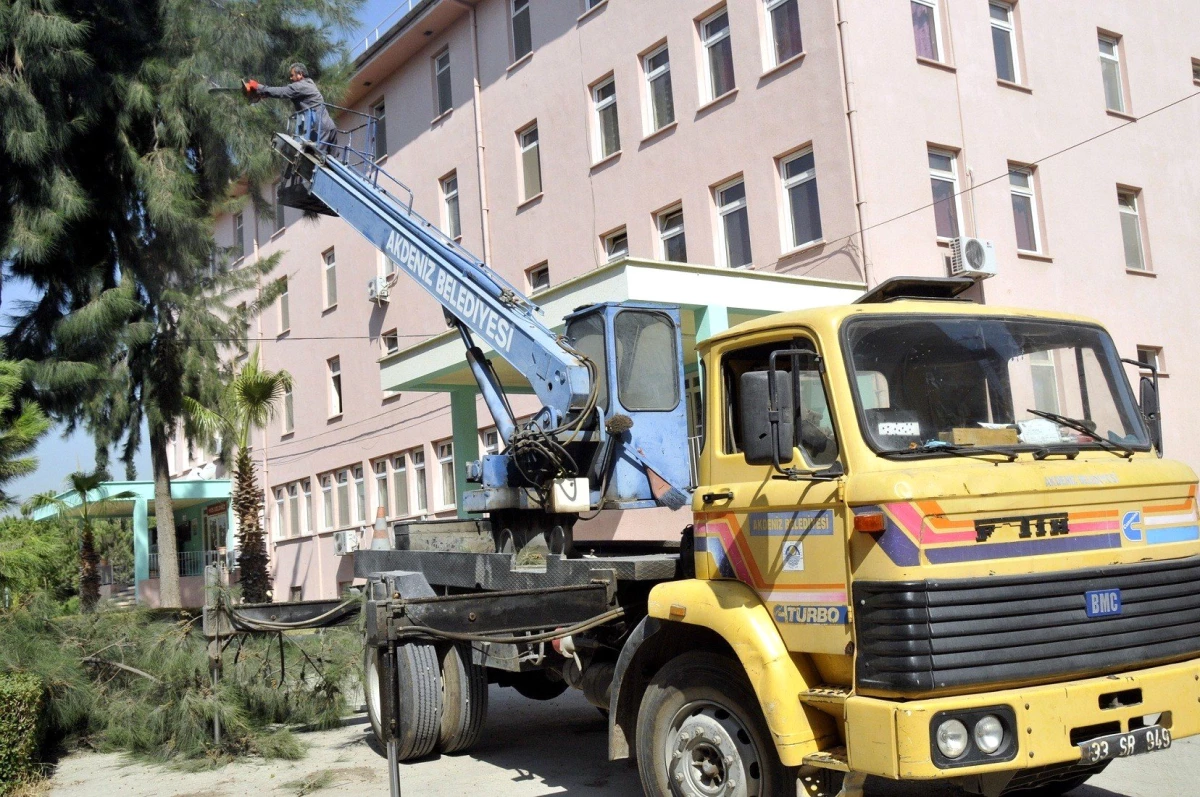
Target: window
[(391, 342), (294, 509), (645, 344), (446, 472), (1045, 380), (718, 47), (335, 387), (279, 512), (289, 412), (418, 462), (491, 442), (239, 236), (400, 485), (521, 32), (1151, 356), (670, 235), (343, 498), (658, 84), (784, 18), (588, 5), (531, 161), (306, 489), (285, 315), (538, 277), (943, 176), (330, 279), (926, 29), (360, 496), (295, 593), (1024, 202), (616, 245), (280, 211), (1004, 42), (1196, 70), (381, 486), (1110, 70), (735, 223), (441, 82), (379, 111), (799, 174), (451, 220), (608, 133), (1131, 229), (327, 500)]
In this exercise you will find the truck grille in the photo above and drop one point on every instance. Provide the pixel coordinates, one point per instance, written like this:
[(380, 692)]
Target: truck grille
[(945, 635)]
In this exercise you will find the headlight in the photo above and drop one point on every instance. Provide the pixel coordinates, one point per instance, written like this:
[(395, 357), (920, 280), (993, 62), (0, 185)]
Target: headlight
[(989, 734), (952, 738)]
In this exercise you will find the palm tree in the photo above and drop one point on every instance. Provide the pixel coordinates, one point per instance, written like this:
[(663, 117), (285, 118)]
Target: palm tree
[(249, 402)]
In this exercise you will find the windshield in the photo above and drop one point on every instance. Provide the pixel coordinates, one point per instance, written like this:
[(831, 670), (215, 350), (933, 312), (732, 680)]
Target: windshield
[(923, 381)]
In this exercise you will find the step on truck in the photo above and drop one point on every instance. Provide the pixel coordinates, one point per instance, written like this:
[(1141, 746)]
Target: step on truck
[(926, 539)]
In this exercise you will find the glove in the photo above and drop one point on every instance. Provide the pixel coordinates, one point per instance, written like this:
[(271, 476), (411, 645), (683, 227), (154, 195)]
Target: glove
[(250, 90), (253, 85)]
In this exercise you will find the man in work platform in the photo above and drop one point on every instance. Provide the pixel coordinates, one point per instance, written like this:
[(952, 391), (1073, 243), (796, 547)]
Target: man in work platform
[(305, 96)]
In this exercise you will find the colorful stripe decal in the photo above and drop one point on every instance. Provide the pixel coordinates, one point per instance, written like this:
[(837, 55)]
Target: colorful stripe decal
[(1006, 550), (1159, 536), (899, 547), (712, 546)]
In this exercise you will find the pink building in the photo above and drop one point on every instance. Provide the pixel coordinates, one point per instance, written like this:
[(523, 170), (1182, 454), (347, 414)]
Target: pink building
[(736, 159)]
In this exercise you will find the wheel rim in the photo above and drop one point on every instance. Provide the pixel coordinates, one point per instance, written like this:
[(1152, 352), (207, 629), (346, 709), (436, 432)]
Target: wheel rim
[(710, 753), (371, 686)]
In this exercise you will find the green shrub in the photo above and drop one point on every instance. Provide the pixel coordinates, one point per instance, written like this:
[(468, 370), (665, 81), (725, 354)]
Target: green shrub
[(20, 727)]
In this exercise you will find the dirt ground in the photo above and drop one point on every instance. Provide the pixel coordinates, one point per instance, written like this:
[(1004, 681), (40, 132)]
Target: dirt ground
[(528, 749)]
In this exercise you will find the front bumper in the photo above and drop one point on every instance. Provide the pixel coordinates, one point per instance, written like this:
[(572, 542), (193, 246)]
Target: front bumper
[(892, 739)]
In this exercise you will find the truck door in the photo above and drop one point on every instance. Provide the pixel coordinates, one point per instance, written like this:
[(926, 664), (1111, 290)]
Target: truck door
[(786, 539)]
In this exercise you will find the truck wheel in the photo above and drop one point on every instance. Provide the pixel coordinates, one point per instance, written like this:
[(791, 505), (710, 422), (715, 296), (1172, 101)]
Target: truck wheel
[(419, 680), (371, 693), (464, 700), (700, 733)]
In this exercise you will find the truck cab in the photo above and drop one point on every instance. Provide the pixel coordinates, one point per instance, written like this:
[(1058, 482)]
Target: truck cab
[(932, 540)]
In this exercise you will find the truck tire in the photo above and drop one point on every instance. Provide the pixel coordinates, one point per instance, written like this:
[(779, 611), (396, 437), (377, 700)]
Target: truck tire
[(371, 692), (700, 733), (464, 700), (419, 680)]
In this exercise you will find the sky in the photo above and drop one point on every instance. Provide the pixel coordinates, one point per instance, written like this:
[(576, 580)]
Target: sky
[(58, 455)]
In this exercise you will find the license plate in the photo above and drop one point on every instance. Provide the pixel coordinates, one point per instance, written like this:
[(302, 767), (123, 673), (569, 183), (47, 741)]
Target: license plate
[(1121, 745)]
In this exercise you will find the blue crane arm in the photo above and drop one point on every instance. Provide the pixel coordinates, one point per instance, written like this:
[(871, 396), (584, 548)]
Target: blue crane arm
[(478, 300)]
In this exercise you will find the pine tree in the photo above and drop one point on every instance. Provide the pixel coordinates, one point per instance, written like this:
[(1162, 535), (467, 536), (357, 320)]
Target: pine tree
[(22, 424), (114, 159)]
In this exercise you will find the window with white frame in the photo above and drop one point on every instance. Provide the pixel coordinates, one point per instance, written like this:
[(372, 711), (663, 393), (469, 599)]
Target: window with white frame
[(400, 484), (381, 485), (538, 277), (588, 5), (1045, 381), (1196, 70), (799, 175), (294, 509), (239, 236), (661, 100), (343, 497), (784, 19), (445, 454), (673, 243), (450, 214), (616, 245), (1110, 71), (306, 488), (391, 342), (335, 386), (289, 412), (379, 110), (285, 309), (280, 211), (943, 178), (360, 496), (522, 33), (441, 81), (1129, 205), (327, 501), (734, 227), (604, 105), (279, 512), (330, 278), (1025, 210), (718, 50), (927, 29), (422, 494), (491, 441), (1004, 41), (1151, 356), (531, 161)]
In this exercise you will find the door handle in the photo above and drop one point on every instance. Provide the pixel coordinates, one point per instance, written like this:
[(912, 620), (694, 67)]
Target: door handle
[(723, 495)]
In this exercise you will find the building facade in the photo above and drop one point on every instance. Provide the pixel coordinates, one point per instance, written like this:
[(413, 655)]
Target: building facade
[(737, 159)]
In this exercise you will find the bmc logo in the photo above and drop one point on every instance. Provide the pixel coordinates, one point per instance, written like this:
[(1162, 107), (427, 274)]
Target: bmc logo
[(1102, 602)]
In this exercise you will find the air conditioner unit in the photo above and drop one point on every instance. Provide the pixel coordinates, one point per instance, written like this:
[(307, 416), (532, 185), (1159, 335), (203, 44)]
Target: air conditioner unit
[(345, 542), (377, 289), (972, 257)]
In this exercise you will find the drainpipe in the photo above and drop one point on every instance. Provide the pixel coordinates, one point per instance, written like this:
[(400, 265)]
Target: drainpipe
[(480, 149), (852, 124)]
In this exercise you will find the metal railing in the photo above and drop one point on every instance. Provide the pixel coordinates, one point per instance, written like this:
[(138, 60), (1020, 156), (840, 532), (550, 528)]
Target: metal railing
[(114, 574), (192, 563), (397, 14)]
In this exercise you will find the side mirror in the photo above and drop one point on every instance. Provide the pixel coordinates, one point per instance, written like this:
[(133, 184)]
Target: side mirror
[(1149, 402), (765, 442)]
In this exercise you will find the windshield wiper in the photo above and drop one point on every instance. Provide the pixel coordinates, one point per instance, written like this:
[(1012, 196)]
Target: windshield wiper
[(938, 447), (1117, 449)]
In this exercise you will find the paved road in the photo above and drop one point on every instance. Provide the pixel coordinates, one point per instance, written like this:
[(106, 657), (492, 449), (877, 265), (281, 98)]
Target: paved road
[(529, 749)]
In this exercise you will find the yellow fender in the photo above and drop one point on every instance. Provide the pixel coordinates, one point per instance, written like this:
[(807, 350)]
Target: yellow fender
[(737, 614)]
